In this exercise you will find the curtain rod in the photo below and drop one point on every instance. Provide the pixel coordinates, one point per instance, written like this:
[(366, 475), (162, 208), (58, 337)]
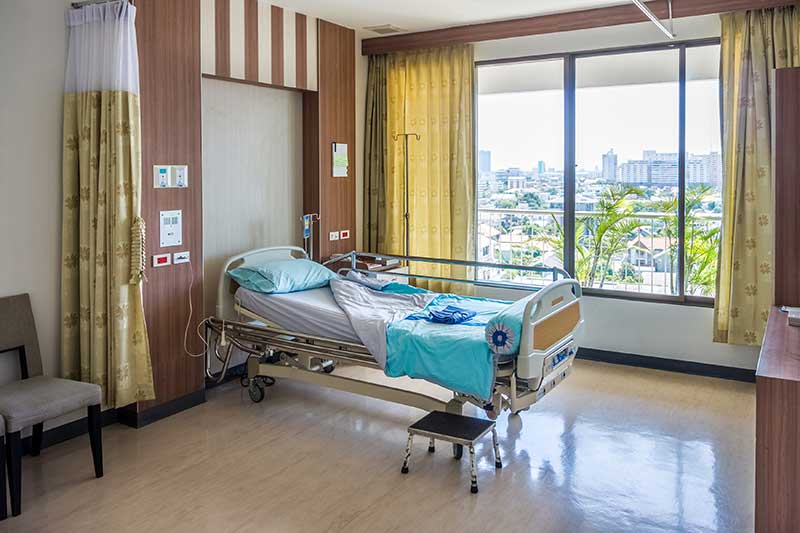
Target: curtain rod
[(77, 5)]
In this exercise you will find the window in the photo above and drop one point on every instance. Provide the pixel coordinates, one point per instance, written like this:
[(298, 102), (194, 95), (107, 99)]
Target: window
[(607, 164), (520, 187)]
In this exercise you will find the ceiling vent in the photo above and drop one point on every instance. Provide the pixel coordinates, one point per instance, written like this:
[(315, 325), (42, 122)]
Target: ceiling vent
[(384, 29)]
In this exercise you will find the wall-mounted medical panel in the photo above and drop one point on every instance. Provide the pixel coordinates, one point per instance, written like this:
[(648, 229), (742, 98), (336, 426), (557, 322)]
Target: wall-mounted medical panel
[(256, 41)]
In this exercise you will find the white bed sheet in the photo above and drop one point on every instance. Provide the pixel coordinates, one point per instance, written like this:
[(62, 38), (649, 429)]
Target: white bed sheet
[(313, 312)]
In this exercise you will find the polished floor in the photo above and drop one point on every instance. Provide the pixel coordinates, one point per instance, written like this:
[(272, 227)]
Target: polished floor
[(612, 449)]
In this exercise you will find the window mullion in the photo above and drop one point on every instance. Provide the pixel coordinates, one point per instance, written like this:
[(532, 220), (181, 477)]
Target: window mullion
[(569, 164), (682, 174)]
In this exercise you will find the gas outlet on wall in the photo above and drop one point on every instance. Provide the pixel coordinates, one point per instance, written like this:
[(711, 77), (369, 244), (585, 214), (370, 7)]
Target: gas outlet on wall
[(334, 236)]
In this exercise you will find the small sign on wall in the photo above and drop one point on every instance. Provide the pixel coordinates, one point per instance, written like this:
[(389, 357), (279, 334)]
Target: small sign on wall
[(340, 162)]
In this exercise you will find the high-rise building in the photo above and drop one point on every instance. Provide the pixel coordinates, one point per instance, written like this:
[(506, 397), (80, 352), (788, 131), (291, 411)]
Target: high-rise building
[(635, 172), (484, 161), (610, 166), (664, 172), (541, 168)]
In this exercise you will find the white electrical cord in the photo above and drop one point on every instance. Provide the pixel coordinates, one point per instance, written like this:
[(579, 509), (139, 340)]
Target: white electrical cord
[(199, 325)]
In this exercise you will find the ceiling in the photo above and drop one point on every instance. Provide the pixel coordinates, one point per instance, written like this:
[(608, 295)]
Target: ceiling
[(417, 15)]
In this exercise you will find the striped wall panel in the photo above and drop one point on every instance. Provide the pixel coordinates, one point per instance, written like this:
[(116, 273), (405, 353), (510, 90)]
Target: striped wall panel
[(256, 41)]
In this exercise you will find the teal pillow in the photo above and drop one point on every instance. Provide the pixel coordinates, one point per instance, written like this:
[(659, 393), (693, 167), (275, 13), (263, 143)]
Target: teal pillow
[(282, 276)]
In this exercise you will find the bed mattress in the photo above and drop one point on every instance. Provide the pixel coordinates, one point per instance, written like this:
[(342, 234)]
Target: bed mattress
[(313, 312)]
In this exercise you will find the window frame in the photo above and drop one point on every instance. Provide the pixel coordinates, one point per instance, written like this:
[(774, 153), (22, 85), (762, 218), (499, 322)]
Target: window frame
[(569, 88)]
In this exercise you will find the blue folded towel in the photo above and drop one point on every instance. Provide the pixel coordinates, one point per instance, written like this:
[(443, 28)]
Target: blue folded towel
[(450, 315)]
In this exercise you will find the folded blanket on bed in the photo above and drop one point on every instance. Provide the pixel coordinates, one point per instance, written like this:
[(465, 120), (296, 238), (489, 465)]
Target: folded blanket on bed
[(449, 315)]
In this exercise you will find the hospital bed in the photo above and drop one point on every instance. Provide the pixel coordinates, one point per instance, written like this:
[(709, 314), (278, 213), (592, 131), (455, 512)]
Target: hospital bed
[(303, 335)]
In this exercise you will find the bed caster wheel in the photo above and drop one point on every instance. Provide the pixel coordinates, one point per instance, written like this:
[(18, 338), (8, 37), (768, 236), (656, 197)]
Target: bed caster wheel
[(474, 489), (244, 381), (458, 451), (329, 368), (404, 470), (256, 391)]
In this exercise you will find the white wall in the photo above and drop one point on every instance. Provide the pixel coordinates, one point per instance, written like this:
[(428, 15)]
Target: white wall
[(252, 172), (661, 330), (32, 60)]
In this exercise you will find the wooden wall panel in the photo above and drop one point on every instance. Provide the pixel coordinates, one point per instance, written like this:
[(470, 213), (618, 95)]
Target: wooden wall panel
[(787, 187), (778, 428), (168, 32), (337, 100), (558, 22)]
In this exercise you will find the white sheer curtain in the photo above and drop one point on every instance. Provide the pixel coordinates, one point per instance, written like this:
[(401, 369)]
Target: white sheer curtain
[(103, 54)]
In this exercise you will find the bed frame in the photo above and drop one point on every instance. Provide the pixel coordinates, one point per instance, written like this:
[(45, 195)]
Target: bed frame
[(547, 344)]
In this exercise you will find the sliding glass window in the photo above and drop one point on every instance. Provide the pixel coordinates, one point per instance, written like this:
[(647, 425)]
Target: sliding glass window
[(638, 214)]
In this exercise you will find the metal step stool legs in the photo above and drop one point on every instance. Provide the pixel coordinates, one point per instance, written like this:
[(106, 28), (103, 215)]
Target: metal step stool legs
[(497, 462), (473, 474), (404, 470), (432, 446)]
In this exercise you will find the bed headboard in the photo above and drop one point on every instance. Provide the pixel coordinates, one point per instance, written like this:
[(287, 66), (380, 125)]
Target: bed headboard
[(226, 287)]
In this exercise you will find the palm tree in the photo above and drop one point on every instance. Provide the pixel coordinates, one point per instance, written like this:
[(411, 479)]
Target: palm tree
[(605, 233), (601, 236)]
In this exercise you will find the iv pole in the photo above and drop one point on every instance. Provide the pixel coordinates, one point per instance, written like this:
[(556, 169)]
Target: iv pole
[(405, 137)]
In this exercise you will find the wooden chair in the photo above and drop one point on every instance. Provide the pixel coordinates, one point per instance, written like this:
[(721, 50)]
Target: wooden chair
[(35, 398)]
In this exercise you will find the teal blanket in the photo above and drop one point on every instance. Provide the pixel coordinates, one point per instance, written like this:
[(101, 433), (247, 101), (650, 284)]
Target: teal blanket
[(455, 356)]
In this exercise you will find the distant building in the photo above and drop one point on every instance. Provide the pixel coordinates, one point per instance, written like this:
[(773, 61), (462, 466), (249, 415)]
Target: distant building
[(484, 161), (635, 172), (664, 172), (541, 168), (516, 182), (610, 166)]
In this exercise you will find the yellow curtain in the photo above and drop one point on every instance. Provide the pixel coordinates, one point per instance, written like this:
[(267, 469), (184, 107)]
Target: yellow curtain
[(753, 43), (375, 155), (104, 337), (430, 93)]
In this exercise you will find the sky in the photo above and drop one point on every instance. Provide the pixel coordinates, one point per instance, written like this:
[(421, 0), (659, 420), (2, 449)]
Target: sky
[(520, 129)]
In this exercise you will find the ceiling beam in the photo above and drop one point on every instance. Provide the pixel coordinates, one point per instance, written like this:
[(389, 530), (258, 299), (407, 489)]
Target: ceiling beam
[(557, 22)]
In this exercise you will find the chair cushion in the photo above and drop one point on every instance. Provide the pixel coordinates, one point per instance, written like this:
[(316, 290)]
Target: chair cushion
[(30, 401)]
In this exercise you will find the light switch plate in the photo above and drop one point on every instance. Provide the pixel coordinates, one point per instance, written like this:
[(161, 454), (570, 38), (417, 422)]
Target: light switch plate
[(161, 176), (334, 236), (179, 177)]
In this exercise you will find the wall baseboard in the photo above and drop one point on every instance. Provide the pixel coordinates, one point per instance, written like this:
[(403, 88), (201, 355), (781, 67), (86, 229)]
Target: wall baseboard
[(143, 418), (670, 365)]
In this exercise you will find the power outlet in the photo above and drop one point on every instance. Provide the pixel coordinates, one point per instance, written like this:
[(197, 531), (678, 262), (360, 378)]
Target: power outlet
[(334, 236), (180, 257)]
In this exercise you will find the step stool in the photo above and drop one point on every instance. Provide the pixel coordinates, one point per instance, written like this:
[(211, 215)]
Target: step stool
[(458, 429)]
